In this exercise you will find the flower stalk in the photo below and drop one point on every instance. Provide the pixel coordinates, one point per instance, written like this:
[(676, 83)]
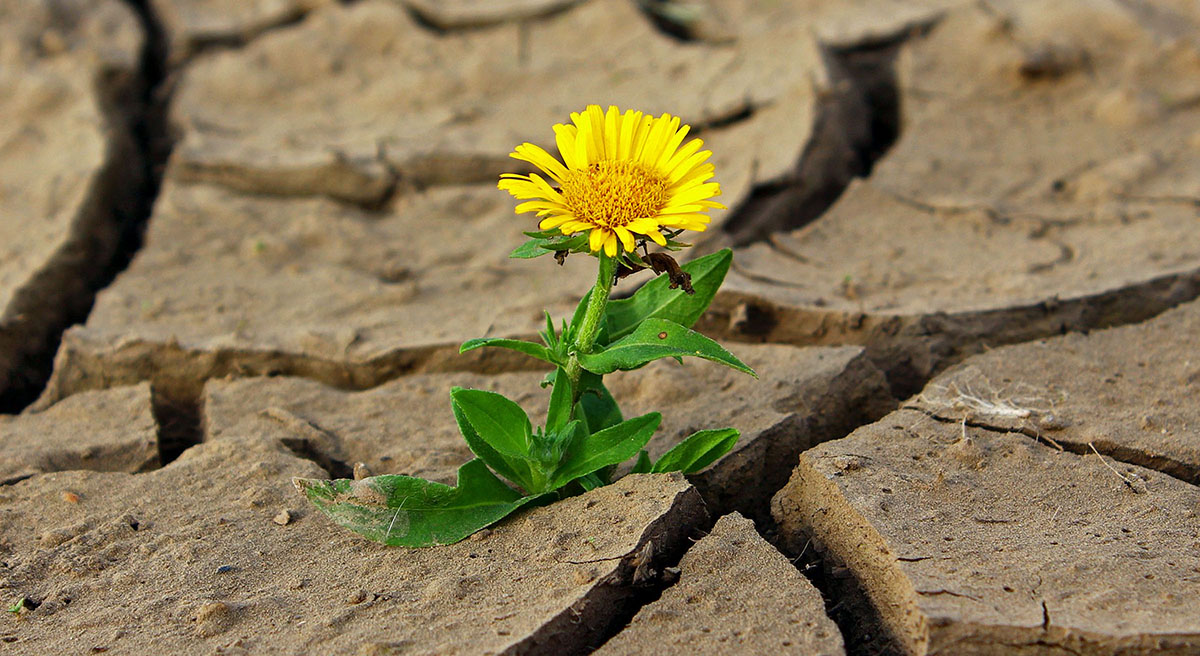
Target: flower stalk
[(585, 339)]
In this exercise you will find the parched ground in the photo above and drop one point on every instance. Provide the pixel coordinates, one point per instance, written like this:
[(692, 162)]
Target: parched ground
[(243, 239)]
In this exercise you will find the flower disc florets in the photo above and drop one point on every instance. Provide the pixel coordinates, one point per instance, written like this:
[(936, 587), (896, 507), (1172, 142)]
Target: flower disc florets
[(623, 177)]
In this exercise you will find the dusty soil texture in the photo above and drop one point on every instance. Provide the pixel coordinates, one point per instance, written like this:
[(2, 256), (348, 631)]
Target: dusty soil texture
[(191, 26), (1045, 179), (1128, 392), (803, 396), (100, 430), (971, 530), (66, 159), (242, 241), (356, 101), (230, 282), (736, 595), (216, 552)]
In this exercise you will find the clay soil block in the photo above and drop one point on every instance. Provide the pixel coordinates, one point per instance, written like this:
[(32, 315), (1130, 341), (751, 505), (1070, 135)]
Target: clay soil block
[(101, 430), (973, 541), (68, 169), (736, 595), (1128, 392), (359, 102), (216, 552)]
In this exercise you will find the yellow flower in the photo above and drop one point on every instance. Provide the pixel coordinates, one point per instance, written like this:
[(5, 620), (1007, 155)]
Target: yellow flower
[(621, 175)]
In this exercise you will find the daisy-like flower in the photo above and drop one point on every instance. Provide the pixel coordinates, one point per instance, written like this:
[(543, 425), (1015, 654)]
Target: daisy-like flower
[(624, 177)]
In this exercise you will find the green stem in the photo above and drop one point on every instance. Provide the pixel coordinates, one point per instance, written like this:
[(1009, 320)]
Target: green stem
[(585, 337)]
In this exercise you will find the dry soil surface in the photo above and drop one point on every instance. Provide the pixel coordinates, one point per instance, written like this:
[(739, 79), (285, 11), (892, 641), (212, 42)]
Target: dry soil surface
[(273, 223)]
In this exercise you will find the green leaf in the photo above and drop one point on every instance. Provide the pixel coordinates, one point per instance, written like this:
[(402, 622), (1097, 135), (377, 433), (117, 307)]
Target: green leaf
[(529, 250), (600, 409), (544, 244), (549, 336), (499, 432), (643, 464), (698, 451), (528, 348), (656, 299), (607, 447), (412, 512), (596, 407), (590, 482), (654, 339), (559, 412), (499, 421), (577, 318)]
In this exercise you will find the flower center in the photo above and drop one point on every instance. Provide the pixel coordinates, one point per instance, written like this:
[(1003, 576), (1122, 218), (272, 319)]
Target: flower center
[(614, 192)]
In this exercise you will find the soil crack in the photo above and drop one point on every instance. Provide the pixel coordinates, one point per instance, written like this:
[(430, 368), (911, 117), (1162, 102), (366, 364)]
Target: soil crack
[(177, 55), (857, 121), (119, 202), (444, 21), (1185, 472)]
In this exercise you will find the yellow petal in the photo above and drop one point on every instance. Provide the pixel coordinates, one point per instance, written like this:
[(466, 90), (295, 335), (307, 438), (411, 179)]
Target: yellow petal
[(626, 237), (692, 194), (610, 245), (672, 146), (531, 205), (697, 175), (629, 123), (642, 131), (540, 158), (687, 165), (681, 209), (555, 221), (548, 192), (576, 226), (520, 189), (687, 151), (643, 225), (596, 123), (610, 132), (689, 222), (596, 240), (565, 137), (652, 147), (585, 146), (683, 220)]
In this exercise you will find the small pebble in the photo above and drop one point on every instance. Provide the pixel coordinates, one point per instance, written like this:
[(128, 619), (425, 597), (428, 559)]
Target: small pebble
[(70, 497), (282, 518), (848, 463), (224, 568), (213, 618)]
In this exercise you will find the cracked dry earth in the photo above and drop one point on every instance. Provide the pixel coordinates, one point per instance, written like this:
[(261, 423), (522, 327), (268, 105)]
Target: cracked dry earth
[(244, 238)]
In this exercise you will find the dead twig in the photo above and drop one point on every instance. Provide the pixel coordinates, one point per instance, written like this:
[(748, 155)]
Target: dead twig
[(1127, 480)]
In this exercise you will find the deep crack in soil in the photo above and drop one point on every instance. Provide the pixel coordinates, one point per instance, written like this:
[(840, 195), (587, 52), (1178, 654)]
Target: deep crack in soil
[(116, 214), (858, 121)]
